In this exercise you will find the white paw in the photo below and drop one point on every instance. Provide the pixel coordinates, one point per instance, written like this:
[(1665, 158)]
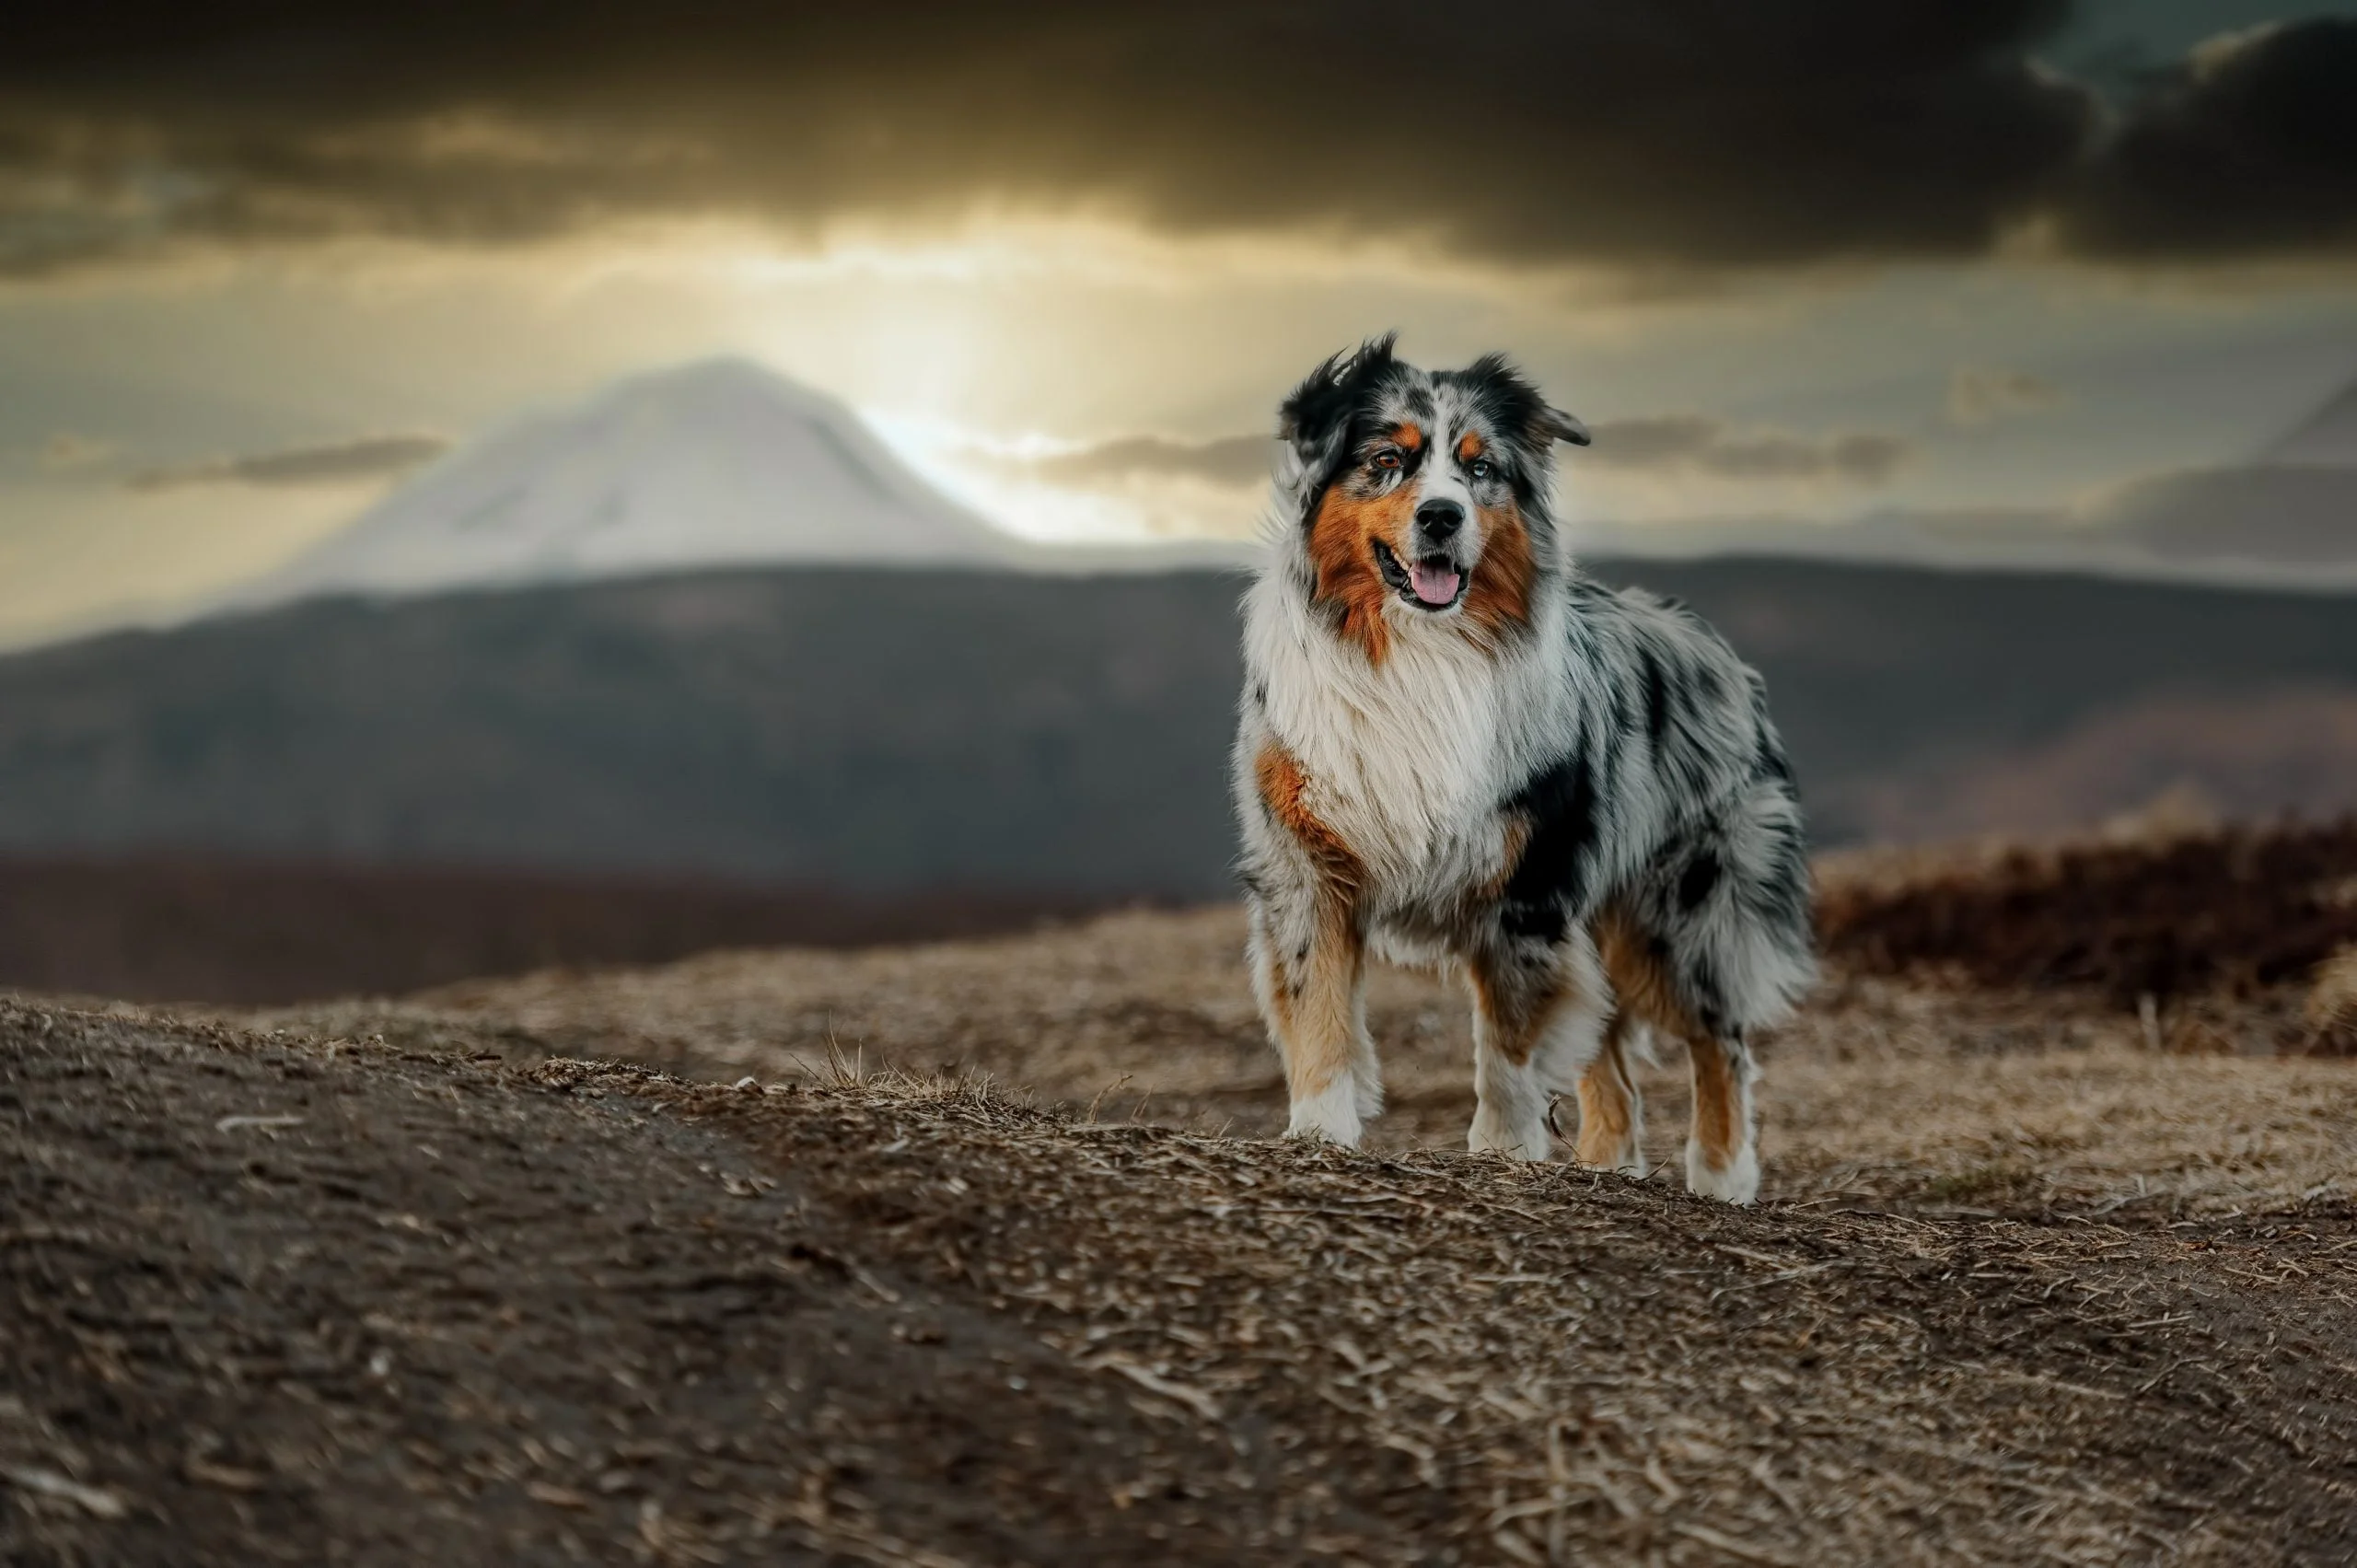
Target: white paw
[(1738, 1183), (1498, 1135), (1330, 1116)]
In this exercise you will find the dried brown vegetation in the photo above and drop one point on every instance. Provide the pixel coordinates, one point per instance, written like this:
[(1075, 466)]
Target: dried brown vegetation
[(303, 1300), (2238, 910), (2331, 1012), (983, 1261)]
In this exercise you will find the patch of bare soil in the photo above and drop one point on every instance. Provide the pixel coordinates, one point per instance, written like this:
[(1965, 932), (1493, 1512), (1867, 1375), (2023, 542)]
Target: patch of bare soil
[(2238, 909), (290, 1298)]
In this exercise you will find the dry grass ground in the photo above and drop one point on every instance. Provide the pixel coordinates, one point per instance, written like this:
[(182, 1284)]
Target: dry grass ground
[(1887, 1091), (280, 1299), (989, 1263)]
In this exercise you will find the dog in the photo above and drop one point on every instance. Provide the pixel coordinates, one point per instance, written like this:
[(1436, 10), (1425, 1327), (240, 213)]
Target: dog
[(1456, 750)]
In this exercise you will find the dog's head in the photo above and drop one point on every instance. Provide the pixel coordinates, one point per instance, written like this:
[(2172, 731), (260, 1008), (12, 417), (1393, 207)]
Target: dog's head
[(1423, 493)]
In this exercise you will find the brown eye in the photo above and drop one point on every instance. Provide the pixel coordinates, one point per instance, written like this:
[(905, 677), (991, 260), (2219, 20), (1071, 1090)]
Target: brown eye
[(1386, 460)]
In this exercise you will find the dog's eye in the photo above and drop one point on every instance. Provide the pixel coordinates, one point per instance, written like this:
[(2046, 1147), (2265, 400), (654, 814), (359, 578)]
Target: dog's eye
[(1482, 469), (1386, 460)]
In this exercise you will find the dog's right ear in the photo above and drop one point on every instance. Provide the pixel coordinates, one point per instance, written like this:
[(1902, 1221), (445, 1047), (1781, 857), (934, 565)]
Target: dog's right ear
[(1315, 420), (1557, 425)]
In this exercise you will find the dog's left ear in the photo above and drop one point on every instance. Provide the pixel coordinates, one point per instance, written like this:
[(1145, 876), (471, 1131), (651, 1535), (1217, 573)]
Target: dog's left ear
[(1554, 425)]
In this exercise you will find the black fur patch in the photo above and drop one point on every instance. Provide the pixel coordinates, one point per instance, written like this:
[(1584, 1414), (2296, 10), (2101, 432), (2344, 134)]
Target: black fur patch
[(1323, 416), (1695, 883), (1552, 878), (1656, 696)]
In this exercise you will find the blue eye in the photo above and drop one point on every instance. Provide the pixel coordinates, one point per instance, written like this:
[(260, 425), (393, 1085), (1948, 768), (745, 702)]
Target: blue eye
[(1482, 468)]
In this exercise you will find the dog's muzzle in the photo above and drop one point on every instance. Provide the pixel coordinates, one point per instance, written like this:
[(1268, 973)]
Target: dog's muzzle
[(1433, 581)]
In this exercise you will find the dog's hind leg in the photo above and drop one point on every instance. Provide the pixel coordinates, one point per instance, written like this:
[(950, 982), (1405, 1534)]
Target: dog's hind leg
[(1722, 1160), (1612, 1114), (1538, 1009), (1722, 1156)]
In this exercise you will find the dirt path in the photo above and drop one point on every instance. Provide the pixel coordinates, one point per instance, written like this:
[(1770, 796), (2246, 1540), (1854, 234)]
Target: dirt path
[(285, 1299)]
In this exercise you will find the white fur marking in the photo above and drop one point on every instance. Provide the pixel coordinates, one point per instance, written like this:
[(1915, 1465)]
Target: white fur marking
[(1739, 1184), (1332, 1114), (1510, 1109)]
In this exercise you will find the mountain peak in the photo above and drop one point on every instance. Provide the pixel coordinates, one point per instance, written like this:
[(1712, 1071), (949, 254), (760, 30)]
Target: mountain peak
[(719, 461)]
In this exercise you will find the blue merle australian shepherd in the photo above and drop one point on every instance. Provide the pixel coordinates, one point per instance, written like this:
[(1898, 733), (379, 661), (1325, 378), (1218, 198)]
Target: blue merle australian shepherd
[(1457, 751)]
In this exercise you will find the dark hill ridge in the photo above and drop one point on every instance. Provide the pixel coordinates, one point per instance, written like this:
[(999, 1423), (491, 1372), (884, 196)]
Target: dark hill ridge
[(879, 730), (870, 728)]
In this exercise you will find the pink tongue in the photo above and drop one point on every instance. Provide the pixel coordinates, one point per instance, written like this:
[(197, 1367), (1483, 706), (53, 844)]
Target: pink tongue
[(1434, 585)]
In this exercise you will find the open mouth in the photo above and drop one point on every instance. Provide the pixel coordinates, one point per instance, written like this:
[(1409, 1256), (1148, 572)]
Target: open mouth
[(1432, 582)]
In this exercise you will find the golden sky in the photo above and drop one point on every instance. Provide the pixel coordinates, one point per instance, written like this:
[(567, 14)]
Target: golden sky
[(1798, 258)]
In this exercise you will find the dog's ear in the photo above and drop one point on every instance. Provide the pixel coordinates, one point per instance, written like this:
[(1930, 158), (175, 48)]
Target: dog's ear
[(1554, 425), (1315, 420)]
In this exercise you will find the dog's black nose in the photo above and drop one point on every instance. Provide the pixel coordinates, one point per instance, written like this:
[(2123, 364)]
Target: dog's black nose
[(1440, 518)]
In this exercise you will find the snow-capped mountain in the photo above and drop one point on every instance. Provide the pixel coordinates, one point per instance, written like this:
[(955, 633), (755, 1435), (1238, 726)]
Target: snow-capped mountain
[(720, 462)]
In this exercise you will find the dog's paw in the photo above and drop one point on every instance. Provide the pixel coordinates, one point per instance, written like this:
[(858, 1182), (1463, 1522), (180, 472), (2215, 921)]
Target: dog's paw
[(1629, 1162), (1738, 1183), (1330, 1116), (1495, 1135)]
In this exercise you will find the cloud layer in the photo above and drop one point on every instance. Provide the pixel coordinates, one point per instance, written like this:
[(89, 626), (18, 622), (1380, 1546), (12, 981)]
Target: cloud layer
[(336, 462), (1982, 395), (1692, 132), (1230, 462), (1697, 445)]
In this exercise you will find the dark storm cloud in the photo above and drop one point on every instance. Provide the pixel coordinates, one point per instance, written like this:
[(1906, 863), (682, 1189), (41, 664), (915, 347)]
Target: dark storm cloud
[(1704, 133), (2248, 147), (1697, 444), (336, 462), (1234, 462)]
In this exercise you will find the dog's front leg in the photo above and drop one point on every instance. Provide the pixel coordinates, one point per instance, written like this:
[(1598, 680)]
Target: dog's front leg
[(1309, 953), (1538, 1012), (1310, 964)]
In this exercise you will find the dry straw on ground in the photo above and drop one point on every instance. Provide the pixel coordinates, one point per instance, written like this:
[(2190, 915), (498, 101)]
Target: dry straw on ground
[(985, 1258), (290, 1298)]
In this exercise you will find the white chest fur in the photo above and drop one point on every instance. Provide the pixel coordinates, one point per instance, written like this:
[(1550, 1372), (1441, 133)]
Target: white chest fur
[(1405, 757)]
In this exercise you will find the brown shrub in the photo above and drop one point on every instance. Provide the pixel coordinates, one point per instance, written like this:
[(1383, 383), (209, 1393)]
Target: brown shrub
[(2234, 910)]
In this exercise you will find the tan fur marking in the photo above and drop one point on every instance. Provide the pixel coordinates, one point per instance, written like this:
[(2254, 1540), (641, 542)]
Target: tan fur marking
[(1282, 786), (1470, 448), (1608, 1104), (1322, 1029), (1312, 995), (1642, 984), (1716, 1096), (1511, 842), (1407, 437), (1498, 599), (1342, 550)]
